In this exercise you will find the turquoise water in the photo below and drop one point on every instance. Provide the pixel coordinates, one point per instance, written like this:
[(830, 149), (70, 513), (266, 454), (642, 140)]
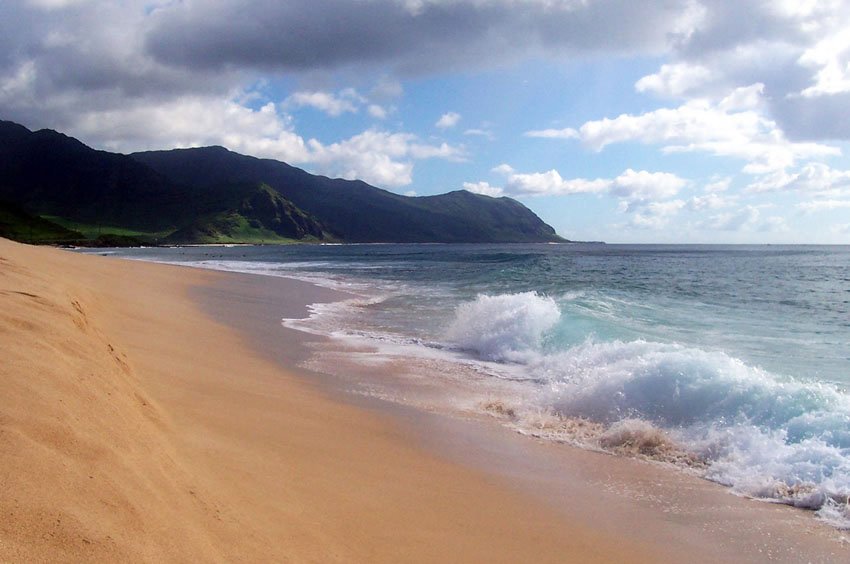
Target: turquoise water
[(739, 355)]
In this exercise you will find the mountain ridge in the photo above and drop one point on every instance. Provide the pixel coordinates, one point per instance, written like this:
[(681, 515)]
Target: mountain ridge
[(212, 194)]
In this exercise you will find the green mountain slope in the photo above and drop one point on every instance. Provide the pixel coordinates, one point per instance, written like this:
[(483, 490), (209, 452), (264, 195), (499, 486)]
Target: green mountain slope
[(211, 194), (16, 224), (354, 210), (48, 173), (258, 215)]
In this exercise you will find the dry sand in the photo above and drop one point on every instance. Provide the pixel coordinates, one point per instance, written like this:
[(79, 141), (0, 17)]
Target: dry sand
[(134, 427)]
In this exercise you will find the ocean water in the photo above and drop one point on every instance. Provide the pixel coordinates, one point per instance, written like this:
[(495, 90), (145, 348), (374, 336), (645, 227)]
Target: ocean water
[(729, 362)]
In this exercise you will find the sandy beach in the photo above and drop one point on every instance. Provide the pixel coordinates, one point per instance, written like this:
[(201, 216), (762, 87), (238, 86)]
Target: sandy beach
[(156, 413), (136, 428)]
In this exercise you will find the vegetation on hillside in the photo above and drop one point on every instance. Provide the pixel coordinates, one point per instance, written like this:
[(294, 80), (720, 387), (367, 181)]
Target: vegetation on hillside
[(212, 195)]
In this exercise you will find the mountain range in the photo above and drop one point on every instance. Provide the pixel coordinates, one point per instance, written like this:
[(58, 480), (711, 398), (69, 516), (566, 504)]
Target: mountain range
[(54, 188)]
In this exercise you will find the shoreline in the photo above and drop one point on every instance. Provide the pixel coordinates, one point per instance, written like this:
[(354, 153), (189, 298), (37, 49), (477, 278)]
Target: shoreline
[(684, 513), (134, 426), (272, 461)]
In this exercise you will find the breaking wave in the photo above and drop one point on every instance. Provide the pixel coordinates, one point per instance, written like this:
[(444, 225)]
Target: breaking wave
[(506, 327), (764, 435)]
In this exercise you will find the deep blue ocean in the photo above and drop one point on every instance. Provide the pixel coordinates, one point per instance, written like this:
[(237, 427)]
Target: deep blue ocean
[(732, 361)]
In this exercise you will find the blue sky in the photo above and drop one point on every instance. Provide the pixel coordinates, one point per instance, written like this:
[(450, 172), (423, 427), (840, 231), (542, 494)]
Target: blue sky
[(675, 121)]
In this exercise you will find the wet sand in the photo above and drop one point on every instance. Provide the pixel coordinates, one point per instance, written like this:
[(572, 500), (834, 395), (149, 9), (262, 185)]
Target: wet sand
[(680, 517)]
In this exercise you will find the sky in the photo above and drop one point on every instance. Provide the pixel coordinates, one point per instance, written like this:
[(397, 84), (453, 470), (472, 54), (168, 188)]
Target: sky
[(670, 121)]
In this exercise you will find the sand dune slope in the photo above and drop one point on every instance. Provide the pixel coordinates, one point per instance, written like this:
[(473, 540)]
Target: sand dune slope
[(89, 469)]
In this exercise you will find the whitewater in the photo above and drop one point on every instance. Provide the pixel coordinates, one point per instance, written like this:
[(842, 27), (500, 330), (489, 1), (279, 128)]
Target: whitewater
[(729, 362)]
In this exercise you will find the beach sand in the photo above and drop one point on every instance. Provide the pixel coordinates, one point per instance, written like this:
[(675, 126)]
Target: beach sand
[(155, 413), (134, 427)]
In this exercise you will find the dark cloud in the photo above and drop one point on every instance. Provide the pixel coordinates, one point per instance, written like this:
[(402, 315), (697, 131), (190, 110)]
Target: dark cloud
[(726, 25), (816, 118), (63, 59), (308, 34), (755, 41), (59, 60), (21, 29)]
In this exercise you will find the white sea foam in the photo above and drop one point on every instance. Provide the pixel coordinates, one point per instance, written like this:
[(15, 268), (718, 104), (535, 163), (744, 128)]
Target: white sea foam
[(674, 385), (505, 327), (305, 271), (763, 435)]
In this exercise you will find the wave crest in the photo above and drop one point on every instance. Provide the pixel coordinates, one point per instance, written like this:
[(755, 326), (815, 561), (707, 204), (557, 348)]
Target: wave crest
[(506, 327)]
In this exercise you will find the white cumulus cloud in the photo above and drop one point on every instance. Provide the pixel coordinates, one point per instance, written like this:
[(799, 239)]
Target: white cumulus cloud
[(346, 101), (548, 183), (730, 128), (195, 122), (483, 188), (637, 187), (813, 177), (674, 79), (447, 120), (633, 188), (830, 57), (378, 157), (566, 133)]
